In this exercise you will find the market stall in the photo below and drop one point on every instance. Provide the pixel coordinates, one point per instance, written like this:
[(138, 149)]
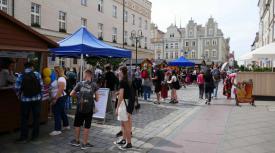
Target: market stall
[(19, 43)]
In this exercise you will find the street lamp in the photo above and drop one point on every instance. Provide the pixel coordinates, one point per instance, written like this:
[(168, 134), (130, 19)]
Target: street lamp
[(136, 36)]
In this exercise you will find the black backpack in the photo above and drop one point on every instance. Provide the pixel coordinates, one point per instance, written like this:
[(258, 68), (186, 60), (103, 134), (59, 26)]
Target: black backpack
[(132, 101), (86, 100), (30, 85)]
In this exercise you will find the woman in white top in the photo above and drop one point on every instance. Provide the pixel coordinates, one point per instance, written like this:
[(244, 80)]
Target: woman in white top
[(58, 103), (173, 81)]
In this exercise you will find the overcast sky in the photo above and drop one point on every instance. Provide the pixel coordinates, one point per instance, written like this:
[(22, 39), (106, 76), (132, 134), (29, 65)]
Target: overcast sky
[(238, 19)]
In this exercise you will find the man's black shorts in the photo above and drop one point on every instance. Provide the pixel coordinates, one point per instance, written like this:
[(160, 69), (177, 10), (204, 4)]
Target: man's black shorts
[(81, 119)]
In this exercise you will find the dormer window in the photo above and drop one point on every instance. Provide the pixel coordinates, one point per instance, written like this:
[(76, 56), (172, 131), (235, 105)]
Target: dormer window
[(172, 35)]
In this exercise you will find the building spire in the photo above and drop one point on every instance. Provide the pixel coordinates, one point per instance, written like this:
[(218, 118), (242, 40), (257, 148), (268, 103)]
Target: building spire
[(175, 20), (180, 22)]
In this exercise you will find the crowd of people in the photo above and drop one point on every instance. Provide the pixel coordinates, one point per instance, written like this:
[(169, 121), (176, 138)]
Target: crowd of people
[(126, 87)]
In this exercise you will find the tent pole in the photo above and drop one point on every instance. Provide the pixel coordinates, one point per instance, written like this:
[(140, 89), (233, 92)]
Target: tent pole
[(81, 67)]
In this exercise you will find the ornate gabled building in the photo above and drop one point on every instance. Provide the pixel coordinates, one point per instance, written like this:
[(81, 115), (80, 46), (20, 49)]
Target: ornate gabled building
[(195, 42)]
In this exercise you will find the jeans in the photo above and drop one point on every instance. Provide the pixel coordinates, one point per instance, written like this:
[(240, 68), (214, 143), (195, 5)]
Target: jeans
[(216, 87), (26, 108), (68, 104), (146, 92), (60, 114)]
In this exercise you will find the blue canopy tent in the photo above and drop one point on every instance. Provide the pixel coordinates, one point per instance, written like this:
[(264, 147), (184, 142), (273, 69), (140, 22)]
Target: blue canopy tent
[(82, 43), (181, 62)]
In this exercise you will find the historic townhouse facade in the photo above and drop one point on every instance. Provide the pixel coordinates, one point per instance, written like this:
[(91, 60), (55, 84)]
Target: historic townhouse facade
[(104, 18), (195, 42)]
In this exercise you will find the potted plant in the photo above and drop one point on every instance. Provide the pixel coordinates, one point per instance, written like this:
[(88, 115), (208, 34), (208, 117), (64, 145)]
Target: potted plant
[(63, 30), (125, 43), (145, 47), (139, 46), (100, 38), (37, 25), (133, 45), (114, 41)]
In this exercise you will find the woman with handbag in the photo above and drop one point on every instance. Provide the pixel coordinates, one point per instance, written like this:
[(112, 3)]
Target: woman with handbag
[(174, 87)]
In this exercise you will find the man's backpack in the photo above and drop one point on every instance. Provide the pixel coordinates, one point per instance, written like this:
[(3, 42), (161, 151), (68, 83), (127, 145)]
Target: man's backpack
[(144, 74), (86, 101), (216, 74), (30, 85)]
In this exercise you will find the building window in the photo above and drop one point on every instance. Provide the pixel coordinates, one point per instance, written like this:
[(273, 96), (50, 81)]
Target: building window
[(146, 25), (171, 55), (210, 32), (4, 5), (186, 44), (214, 42), (75, 61), (126, 16), (100, 5), (176, 55), (166, 55), (114, 35), (145, 42), (193, 43), (190, 33), (172, 35), (134, 20), (214, 53), (206, 54), (193, 54), (207, 42), (100, 31), (114, 11), (171, 45), (158, 56), (62, 21), (140, 22), (125, 37), (35, 15), (176, 45), (166, 46), (84, 22), (84, 2)]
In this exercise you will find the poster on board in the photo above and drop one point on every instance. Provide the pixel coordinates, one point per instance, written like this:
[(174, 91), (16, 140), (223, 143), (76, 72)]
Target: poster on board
[(101, 105)]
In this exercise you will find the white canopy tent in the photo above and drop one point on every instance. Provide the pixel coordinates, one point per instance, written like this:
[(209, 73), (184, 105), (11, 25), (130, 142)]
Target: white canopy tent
[(265, 54)]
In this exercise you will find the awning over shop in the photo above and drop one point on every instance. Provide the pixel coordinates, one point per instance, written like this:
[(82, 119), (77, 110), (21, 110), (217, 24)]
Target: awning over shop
[(267, 51)]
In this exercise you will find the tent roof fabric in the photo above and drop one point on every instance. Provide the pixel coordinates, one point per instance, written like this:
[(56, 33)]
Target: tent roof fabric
[(267, 51), (181, 62), (83, 42)]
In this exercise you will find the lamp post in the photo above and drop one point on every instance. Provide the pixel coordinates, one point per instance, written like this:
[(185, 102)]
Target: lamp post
[(136, 36), (123, 23)]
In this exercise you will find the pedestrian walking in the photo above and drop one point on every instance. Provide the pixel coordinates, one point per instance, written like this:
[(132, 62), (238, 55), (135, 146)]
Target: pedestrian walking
[(138, 81), (175, 85), (146, 83), (29, 90), (58, 103), (164, 86), (200, 82), (216, 78), (209, 85), (88, 95), (157, 82), (125, 107), (110, 81)]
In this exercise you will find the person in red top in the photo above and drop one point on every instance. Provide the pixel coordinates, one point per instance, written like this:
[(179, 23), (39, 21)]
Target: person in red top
[(200, 81)]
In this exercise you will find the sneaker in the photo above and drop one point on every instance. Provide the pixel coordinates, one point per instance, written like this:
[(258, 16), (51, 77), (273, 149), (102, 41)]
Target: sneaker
[(126, 146), (120, 142), (157, 102), (75, 143), (66, 128), (21, 141), (119, 134), (54, 133), (86, 146)]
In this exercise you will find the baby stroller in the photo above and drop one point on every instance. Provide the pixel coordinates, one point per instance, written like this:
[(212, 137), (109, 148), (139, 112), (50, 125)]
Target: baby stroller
[(243, 93)]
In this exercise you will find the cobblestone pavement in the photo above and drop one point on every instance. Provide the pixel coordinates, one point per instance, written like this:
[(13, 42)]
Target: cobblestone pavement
[(150, 125)]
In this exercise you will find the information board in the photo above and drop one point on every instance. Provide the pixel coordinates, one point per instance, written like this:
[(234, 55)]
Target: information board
[(101, 105)]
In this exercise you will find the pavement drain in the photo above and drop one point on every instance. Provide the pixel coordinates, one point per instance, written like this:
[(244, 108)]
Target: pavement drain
[(271, 108)]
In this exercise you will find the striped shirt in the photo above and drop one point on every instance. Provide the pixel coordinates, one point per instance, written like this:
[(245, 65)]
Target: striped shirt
[(18, 85)]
